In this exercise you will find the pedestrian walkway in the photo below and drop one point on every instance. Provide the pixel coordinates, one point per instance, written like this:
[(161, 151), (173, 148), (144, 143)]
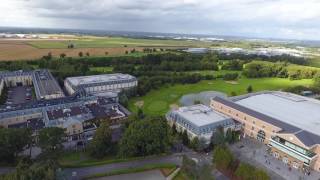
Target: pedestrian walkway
[(255, 153)]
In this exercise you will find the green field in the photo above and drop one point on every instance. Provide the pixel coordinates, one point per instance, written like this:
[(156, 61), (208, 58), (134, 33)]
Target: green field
[(115, 42), (157, 102), (104, 69), (215, 73)]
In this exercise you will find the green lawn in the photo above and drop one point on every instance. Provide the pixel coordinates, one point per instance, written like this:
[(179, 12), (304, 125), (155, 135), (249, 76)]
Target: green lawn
[(81, 159), (133, 170), (157, 102), (215, 73)]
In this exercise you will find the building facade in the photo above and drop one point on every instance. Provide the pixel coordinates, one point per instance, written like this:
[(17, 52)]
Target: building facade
[(288, 124), (100, 83), (200, 121)]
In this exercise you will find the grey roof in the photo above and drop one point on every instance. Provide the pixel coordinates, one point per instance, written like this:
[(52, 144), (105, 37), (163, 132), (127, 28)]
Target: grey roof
[(102, 78), (284, 126), (307, 138)]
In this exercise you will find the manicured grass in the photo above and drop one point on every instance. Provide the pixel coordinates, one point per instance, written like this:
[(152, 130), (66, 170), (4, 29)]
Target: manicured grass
[(132, 170), (81, 159), (157, 102), (215, 73), (105, 69)]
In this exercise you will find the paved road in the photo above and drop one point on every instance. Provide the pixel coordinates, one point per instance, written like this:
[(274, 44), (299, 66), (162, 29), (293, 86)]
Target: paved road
[(86, 171)]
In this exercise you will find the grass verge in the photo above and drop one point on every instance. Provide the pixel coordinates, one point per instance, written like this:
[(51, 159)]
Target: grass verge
[(79, 159), (133, 170)]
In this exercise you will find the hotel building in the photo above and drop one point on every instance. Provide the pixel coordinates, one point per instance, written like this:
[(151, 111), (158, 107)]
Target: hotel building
[(289, 124)]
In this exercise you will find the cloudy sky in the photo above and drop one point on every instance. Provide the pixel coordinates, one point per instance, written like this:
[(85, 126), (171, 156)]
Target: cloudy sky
[(297, 19)]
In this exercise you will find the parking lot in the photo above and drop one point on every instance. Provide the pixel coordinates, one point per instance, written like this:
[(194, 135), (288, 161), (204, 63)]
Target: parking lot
[(255, 153), (19, 94)]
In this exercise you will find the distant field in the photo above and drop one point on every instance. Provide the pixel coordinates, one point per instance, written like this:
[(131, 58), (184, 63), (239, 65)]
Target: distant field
[(25, 49), (114, 42), (158, 102)]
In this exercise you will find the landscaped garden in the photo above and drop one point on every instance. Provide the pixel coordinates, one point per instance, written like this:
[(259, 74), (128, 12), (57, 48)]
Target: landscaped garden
[(158, 102)]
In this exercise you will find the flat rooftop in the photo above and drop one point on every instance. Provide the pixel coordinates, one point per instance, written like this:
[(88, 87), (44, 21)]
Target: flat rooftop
[(82, 80), (47, 85), (200, 115), (298, 111)]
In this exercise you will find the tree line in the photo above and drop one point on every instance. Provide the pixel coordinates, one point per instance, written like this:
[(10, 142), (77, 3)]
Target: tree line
[(258, 69)]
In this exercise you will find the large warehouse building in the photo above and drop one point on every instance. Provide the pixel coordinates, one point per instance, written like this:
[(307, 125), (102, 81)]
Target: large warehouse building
[(200, 121), (289, 124), (45, 85), (100, 83)]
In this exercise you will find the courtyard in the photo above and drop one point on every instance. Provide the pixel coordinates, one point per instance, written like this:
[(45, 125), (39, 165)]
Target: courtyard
[(255, 153)]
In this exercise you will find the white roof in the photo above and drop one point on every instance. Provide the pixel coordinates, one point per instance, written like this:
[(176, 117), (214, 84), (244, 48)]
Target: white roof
[(80, 80), (299, 111), (200, 115)]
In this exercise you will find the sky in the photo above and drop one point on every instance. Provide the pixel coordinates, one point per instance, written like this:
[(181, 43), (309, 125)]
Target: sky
[(289, 19)]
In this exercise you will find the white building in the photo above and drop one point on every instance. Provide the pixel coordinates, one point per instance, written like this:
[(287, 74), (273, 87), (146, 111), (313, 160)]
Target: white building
[(200, 121), (101, 83)]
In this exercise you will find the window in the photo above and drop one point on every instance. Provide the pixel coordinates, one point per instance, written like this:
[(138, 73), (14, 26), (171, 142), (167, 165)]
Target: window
[(245, 118), (252, 128), (236, 114)]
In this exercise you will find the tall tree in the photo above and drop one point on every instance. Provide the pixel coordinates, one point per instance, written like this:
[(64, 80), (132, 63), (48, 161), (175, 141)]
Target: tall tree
[(50, 140), (147, 137), (12, 142), (101, 143), (185, 138), (222, 157)]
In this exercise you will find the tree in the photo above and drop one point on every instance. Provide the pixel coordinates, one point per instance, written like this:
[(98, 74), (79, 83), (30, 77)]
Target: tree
[(62, 55), (28, 170), (50, 140), (316, 80), (218, 137), (80, 54), (189, 166), (101, 143), (222, 157), (261, 175), (249, 89), (140, 113), (174, 129), (233, 93), (204, 172), (247, 172), (194, 144), (147, 137), (185, 138), (229, 137), (126, 52), (12, 142)]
